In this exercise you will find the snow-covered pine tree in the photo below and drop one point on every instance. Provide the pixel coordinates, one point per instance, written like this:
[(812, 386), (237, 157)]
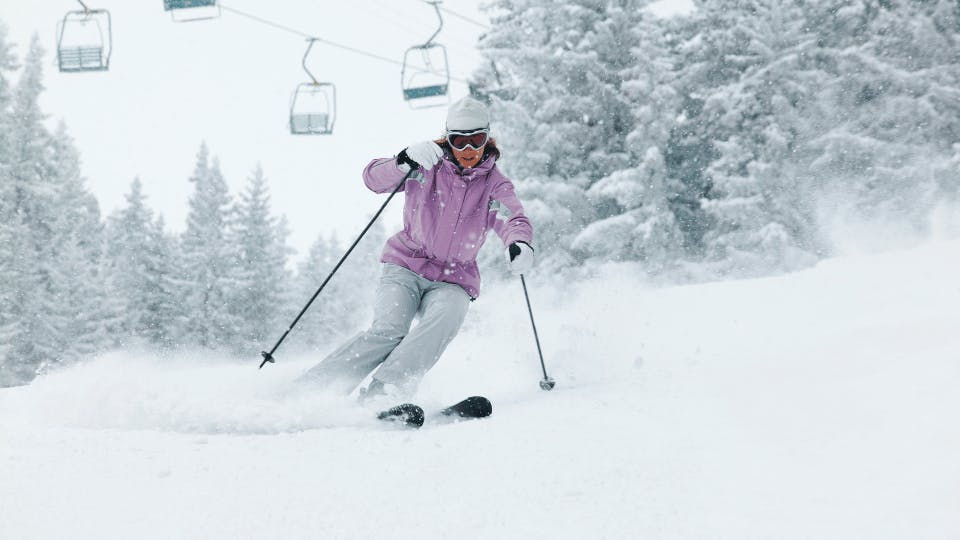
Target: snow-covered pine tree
[(141, 267), (562, 121), (52, 224), (714, 48), (159, 287), (29, 202), (12, 231), (634, 216), (320, 324), (19, 360), (757, 116), (73, 257), (893, 106), (206, 280), (260, 269), (8, 65)]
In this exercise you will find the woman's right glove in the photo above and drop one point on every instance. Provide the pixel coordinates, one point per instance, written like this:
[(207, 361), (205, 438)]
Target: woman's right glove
[(424, 154)]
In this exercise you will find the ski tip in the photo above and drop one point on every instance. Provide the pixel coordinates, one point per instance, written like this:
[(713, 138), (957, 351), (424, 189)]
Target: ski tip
[(472, 407), (407, 413)]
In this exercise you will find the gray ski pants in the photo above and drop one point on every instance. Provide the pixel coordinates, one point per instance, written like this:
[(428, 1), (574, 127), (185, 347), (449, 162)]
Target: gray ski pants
[(403, 355)]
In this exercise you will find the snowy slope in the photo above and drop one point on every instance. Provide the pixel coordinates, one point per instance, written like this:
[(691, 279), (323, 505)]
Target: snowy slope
[(820, 404)]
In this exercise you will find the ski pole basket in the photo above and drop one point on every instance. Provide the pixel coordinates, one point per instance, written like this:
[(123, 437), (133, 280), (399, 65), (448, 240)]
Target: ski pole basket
[(84, 40), (313, 107)]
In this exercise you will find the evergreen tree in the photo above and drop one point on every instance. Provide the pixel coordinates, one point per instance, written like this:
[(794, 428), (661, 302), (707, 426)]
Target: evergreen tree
[(260, 268), (12, 227), (756, 116), (893, 111), (159, 287), (28, 216), (800, 102), (17, 314), (74, 255), (8, 64), (51, 224), (564, 113), (320, 324), (635, 220), (207, 256), (141, 289)]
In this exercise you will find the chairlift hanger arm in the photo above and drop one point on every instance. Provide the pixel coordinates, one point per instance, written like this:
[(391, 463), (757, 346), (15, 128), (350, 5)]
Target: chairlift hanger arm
[(436, 6), (303, 62), (85, 8)]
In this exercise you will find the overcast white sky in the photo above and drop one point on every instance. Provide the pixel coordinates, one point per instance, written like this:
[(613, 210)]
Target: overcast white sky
[(228, 82)]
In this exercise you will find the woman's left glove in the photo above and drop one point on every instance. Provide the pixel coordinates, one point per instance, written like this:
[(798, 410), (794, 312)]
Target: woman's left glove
[(520, 257)]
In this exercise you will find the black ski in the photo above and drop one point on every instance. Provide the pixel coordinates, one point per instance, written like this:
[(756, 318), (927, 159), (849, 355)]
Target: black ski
[(411, 415), (472, 407)]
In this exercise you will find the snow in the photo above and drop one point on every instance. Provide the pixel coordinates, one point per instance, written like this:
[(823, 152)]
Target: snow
[(819, 404)]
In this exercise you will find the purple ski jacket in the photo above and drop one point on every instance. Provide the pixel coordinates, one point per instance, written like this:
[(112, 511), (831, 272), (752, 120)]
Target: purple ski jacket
[(446, 217)]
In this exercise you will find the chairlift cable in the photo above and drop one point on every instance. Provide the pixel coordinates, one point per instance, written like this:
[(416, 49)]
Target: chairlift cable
[(321, 40), (464, 17), (265, 21), (402, 22)]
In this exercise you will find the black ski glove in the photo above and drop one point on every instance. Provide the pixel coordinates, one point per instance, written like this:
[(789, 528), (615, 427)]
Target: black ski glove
[(404, 159)]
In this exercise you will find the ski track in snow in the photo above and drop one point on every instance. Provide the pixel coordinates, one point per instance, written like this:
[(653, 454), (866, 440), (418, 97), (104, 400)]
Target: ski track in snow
[(820, 404)]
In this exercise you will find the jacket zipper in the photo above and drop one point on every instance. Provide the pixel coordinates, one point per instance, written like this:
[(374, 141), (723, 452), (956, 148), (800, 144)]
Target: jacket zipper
[(456, 223)]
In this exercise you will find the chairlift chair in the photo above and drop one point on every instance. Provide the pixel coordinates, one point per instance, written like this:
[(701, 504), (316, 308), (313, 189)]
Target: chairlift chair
[(192, 10), (84, 40), (313, 107), (425, 75)]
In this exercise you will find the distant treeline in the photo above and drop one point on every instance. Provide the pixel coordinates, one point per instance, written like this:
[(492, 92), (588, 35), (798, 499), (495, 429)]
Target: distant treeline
[(74, 284)]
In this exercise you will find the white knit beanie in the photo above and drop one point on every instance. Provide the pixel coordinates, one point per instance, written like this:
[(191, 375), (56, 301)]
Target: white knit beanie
[(467, 114)]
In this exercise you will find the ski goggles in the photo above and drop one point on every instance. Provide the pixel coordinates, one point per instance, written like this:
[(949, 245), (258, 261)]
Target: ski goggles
[(475, 139)]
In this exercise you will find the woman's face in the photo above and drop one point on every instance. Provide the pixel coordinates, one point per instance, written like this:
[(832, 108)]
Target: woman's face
[(468, 157)]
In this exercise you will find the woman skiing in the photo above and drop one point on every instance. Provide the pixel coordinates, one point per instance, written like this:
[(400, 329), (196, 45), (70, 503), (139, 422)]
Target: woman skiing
[(430, 267)]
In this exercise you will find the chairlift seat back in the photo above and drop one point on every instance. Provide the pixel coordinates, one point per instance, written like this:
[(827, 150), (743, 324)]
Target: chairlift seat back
[(425, 91), (81, 59), (192, 10), (170, 5)]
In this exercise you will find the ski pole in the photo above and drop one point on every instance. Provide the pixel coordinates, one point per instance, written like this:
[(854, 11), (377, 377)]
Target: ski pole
[(268, 356), (547, 383)]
